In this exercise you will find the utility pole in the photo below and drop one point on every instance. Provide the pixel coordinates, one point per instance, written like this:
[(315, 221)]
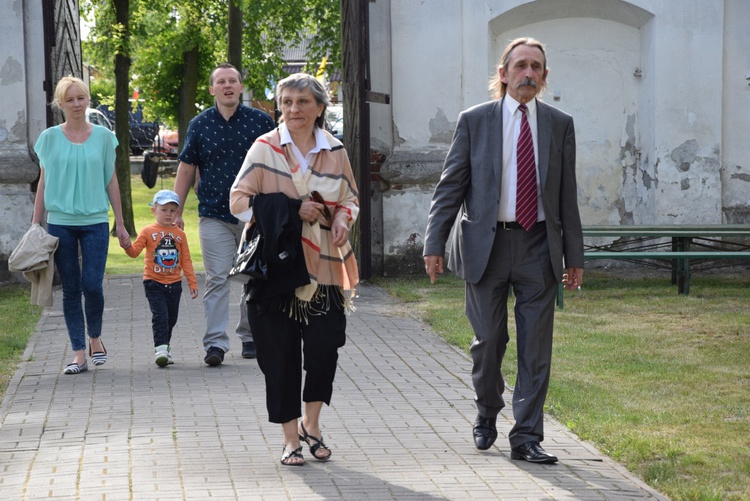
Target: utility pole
[(354, 56)]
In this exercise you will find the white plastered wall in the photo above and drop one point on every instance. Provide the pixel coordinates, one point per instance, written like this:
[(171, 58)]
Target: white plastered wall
[(22, 117), (654, 123)]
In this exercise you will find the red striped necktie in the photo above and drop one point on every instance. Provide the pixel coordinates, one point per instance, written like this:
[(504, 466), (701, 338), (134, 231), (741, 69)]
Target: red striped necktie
[(526, 201)]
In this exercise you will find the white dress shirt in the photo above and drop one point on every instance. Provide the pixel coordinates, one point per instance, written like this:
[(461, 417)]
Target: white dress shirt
[(511, 131)]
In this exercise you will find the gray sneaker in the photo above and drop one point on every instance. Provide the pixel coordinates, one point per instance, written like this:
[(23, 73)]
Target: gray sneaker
[(162, 355), (169, 355)]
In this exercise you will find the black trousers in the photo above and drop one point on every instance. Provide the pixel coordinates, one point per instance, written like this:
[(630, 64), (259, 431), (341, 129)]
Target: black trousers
[(283, 343), (164, 300)]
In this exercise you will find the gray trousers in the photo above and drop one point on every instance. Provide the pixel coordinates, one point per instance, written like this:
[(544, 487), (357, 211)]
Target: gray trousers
[(219, 241), (521, 260)]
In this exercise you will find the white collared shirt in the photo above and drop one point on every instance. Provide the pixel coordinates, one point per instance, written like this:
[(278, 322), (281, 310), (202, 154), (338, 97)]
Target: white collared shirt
[(511, 131), (321, 143)]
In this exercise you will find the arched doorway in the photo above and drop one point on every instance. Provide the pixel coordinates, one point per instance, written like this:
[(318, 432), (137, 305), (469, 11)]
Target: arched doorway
[(597, 51)]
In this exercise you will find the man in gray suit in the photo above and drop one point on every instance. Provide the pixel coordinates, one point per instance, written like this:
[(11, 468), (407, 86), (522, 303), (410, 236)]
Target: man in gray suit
[(492, 249)]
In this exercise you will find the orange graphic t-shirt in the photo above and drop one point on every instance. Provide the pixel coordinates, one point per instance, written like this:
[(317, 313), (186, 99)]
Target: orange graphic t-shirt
[(167, 254)]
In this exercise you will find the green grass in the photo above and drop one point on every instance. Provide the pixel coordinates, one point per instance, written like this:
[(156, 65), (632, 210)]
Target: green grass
[(18, 319), (119, 263), (659, 382)]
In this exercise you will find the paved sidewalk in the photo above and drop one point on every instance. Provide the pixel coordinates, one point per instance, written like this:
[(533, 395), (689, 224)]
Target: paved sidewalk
[(399, 424)]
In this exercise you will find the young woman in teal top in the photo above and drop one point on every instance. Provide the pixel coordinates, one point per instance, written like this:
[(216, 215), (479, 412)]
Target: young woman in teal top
[(76, 186)]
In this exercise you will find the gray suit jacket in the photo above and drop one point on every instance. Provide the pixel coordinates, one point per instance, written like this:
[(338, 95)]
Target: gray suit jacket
[(471, 183)]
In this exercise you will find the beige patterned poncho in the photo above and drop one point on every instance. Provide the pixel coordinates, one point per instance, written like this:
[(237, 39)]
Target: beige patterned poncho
[(271, 168)]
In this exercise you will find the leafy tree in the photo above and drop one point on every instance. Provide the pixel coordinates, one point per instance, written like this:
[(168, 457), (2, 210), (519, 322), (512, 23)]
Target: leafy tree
[(102, 92), (166, 50), (273, 25), (167, 36), (115, 14), (179, 46)]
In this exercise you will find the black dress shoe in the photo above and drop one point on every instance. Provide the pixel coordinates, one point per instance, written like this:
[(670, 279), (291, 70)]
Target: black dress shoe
[(214, 356), (533, 453), (485, 432), (248, 350)]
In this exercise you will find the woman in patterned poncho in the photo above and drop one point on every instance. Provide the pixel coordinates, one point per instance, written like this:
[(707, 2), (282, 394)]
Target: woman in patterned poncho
[(304, 162)]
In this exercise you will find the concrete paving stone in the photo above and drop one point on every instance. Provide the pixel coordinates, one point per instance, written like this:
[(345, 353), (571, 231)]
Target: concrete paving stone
[(399, 423), (12, 481)]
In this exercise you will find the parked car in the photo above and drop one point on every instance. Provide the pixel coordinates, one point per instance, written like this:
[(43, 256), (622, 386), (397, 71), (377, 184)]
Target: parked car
[(167, 142), (96, 117), (142, 133), (142, 136), (335, 121)]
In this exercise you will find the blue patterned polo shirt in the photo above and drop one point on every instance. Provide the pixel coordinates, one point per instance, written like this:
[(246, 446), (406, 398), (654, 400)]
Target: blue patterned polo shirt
[(218, 148)]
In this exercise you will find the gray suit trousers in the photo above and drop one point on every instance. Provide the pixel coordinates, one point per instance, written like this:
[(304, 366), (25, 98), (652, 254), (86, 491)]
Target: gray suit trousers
[(521, 260)]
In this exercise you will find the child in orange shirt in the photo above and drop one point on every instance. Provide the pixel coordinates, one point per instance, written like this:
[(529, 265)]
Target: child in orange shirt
[(167, 257)]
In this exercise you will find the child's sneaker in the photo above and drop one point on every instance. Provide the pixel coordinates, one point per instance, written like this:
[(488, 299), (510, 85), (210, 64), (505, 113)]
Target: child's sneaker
[(162, 355), (169, 354)]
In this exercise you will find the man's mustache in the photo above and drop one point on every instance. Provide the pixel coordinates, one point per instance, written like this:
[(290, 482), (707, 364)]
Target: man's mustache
[(528, 82)]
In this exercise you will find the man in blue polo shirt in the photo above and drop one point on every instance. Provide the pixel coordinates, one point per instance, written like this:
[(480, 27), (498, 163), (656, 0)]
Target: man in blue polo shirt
[(216, 144)]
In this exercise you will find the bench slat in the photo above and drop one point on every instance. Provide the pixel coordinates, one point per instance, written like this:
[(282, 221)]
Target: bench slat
[(667, 255), (666, 231), (681, 236)]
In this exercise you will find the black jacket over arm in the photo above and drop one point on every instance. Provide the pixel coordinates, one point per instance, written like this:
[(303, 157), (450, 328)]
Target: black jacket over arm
[(277, 217)]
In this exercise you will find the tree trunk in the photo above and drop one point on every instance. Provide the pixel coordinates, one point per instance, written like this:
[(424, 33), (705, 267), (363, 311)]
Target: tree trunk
[(234, 36), (351, 72), (188, 92), (122, 119)]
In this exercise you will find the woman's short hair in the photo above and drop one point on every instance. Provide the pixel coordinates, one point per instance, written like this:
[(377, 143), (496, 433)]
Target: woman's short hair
[(61, 90), (497, 86), (302, 81)]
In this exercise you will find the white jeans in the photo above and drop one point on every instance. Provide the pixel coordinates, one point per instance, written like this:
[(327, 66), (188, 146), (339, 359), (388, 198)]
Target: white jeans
[(219, 241)]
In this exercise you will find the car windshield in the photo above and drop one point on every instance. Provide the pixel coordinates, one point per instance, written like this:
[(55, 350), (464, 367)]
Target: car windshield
[(98, 118), (335, 119)]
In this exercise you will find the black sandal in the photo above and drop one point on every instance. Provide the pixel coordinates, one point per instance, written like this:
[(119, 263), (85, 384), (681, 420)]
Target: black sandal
[(288, 454), (314, 447)]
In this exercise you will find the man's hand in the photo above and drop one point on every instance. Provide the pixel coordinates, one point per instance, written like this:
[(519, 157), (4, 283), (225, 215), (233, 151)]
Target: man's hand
[(433, 265), (573, 278), (183, 181)]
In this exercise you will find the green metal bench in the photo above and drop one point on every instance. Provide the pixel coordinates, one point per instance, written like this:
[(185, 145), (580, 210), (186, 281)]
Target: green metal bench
[(633, 245), (681, 260)]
